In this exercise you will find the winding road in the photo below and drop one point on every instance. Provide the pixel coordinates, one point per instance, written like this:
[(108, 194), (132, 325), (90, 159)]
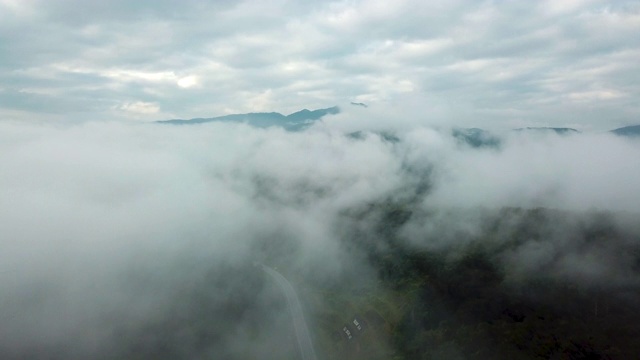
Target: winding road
[(305, 345)]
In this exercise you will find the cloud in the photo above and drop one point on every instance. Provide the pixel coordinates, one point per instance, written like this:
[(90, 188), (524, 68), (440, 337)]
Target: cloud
[(127, 228), (550, 171), (88, 209), (532, 56), (188, 81), (140, 107)]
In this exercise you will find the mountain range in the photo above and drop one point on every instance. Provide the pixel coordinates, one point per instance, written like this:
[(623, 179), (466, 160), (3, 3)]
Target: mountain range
[(479, 138), (296, 121), (631, 131), (304, 118)]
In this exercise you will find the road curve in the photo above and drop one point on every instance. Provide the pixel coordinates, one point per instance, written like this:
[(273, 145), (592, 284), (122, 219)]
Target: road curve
[(305, 345)]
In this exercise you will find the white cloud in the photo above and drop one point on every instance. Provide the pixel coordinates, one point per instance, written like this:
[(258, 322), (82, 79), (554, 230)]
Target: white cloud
[(595, 95), (188, 81), (141, 107), (134, 75), (17, 8), (565, 6)]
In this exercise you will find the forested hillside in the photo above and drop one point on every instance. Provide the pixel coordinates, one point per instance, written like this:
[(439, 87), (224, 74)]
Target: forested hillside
[(471, 301)]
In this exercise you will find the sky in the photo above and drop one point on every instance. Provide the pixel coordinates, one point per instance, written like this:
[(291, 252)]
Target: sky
[(488, 64)]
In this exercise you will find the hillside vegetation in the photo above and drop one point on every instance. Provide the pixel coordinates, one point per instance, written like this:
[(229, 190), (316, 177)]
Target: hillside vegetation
[(463, 301)]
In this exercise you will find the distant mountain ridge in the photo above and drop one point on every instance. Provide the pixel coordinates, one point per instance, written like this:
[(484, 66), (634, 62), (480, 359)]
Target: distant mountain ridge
[(300, 120), (557, 130), (630, 131), (479, 138), (476, 138), (293, 122)]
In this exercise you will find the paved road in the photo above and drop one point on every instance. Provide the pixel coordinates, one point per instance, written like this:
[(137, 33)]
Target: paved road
[(299, 324)]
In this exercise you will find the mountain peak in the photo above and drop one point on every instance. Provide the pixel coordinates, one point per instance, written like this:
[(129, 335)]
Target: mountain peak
[(631, 131), (557, 130), (293, 122)]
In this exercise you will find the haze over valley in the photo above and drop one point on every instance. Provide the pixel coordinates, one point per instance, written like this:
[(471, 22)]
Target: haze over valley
[(125, 240)]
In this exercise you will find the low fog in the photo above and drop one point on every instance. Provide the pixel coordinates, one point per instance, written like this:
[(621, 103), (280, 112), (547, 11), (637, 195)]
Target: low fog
[(123, 240)]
